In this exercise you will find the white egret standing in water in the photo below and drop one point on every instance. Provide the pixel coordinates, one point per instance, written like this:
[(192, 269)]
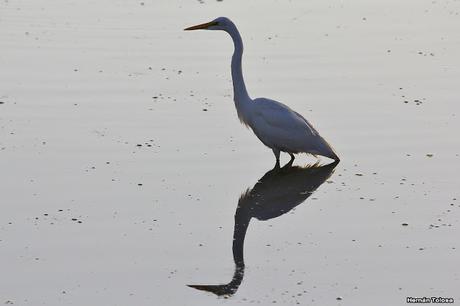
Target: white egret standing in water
[(275, 124)]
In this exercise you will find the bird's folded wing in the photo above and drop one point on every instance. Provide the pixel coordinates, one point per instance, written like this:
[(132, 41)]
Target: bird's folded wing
[(278, 115)]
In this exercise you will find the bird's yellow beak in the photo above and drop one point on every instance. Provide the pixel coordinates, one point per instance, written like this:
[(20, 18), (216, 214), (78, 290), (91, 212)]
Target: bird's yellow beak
[(202, 26)]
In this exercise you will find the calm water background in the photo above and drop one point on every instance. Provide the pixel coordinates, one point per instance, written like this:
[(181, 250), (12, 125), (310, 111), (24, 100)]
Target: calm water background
[(118, 188)]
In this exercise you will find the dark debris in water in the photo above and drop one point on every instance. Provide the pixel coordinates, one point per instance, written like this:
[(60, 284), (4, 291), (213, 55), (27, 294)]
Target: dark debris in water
[(415, 101), (425, 53), (150, 143), (407, 100)]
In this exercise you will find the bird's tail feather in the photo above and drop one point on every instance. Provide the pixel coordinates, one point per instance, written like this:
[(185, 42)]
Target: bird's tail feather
[(326, 150)]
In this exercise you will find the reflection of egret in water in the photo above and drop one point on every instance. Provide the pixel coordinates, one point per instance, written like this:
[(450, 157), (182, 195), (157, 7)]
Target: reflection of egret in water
[(276, 193)]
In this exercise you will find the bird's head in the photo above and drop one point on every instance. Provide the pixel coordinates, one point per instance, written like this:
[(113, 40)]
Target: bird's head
[(221, 23)]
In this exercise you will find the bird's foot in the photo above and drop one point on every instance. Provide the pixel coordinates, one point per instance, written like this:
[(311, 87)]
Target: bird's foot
[(277, 165), (291, 161)]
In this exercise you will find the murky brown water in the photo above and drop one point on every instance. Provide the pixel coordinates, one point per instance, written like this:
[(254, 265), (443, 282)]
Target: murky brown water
[(117, 188)]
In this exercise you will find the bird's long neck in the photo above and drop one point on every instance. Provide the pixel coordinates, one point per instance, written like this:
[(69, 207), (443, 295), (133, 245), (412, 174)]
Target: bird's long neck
[(240, 94), (242, 218)]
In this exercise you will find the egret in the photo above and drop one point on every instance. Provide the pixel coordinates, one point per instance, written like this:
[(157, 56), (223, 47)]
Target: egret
[(275, 124)]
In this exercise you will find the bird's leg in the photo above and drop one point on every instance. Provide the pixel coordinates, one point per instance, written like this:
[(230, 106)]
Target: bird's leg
[(277, 156), (289, 164)]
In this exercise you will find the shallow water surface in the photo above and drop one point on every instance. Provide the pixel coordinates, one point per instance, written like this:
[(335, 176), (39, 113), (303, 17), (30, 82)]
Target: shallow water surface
[(126, 178)]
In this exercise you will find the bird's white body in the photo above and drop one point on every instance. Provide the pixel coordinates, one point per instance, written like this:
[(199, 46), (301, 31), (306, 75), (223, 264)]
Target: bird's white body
[(282, 129), (275, 124)]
